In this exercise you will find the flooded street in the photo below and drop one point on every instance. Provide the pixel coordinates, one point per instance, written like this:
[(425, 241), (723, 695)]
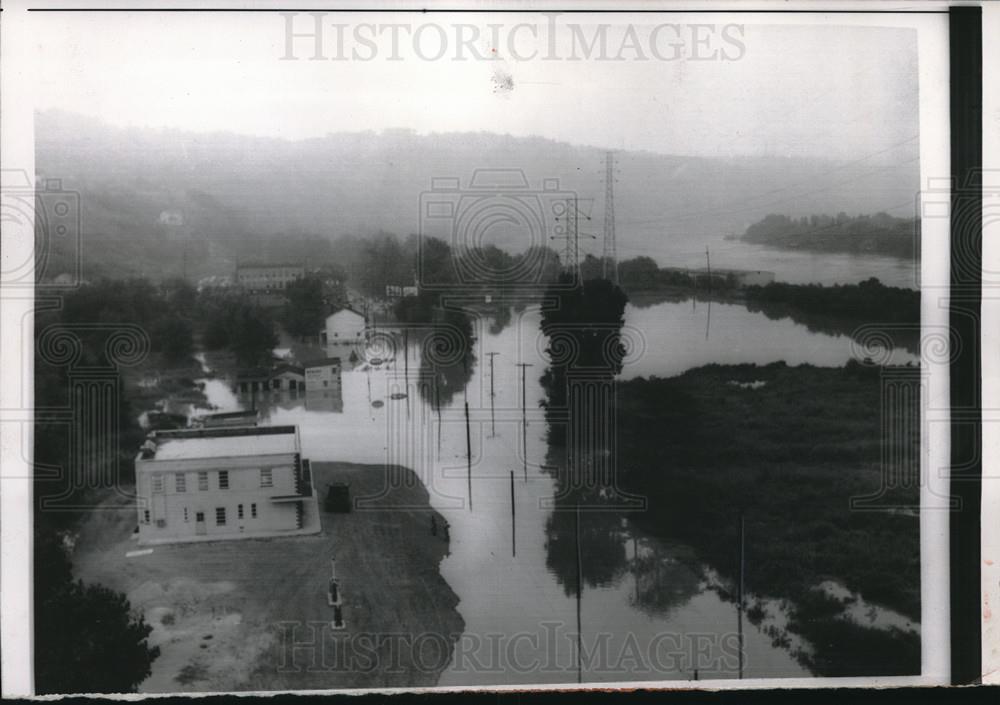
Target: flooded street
[(648, 615)]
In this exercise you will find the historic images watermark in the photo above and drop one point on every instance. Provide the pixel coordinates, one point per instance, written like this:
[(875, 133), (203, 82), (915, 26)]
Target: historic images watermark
[(552, 649), (322, 36)]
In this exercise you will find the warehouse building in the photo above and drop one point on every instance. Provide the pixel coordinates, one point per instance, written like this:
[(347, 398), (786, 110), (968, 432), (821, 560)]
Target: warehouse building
[(224, 483)]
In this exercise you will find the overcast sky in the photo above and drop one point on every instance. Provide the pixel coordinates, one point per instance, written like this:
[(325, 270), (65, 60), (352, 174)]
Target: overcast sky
[(819, 90)]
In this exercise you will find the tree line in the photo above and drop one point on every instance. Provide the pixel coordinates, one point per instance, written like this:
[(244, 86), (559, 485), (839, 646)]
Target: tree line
[(880, 233)]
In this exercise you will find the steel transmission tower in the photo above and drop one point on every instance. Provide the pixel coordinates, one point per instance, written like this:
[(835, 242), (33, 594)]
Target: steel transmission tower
[(571, 234), (610, 259)]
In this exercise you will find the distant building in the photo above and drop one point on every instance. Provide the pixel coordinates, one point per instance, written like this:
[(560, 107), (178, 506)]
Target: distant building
[(226, 419), (742, 277), (393, 291), (283, 377), (252, 380), (224, 483), (214, 281), (345, 327), (171, 218), (322, 374), (267, 278), (288, 377)]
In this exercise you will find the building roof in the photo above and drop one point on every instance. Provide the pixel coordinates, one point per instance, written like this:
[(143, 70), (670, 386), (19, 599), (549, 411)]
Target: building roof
[(346, 308), (195, 444), (229, 415), (269, 265), (321, 362)]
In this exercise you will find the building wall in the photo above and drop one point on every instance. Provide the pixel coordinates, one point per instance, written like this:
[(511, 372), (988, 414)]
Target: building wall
[(268, 278), (244, 489), (345, 328), (287, 380), (322, 377)]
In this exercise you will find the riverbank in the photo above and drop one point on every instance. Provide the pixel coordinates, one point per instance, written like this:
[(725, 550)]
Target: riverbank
[(241, 615), (790, 447)]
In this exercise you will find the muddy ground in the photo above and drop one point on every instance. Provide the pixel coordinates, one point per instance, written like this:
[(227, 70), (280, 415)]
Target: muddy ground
[(253, 614)]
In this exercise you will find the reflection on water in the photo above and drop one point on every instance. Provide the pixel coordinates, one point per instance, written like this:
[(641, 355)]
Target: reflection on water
[(648, 610), (671, 337), (866, 613)]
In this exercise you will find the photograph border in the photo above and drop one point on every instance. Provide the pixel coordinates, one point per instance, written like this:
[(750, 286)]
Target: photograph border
[(964, 390)]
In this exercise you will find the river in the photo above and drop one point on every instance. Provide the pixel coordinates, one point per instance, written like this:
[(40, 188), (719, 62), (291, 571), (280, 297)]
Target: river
[(650, 617), (792, 265)]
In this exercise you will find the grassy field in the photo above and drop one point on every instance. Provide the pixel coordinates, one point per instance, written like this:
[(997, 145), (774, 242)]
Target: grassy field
[(790, 447), (253, 614)]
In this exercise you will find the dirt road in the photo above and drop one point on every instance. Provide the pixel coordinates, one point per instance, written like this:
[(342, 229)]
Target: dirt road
[(253, 614)]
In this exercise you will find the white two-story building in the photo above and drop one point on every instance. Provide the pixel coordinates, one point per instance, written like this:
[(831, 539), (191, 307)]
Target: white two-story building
[(224, 483), (345, 327)]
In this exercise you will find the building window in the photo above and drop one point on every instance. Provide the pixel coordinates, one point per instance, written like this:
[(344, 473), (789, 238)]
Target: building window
[(180, 482), (186, 515), (161, 523), (253, 510), (276, 384), (239, 511), (326, 383), (223, 479), (220, 516), (265, 478), (145, 516), (157, 484), (203, 481)]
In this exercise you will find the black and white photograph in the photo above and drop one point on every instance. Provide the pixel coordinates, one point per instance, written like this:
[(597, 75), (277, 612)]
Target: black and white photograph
[(481, 347)]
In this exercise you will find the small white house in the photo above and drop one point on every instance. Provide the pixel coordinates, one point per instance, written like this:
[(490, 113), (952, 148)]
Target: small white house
[(345, 327)]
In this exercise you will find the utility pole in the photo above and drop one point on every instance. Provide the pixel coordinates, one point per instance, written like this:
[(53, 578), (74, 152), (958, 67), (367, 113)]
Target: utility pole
[(368, 376), (513, 523), (524, 416), (579, 593), (406, 367), (437, 408), (741, 588), (493, 420), (610, 259), (468, 452), (708, 319)]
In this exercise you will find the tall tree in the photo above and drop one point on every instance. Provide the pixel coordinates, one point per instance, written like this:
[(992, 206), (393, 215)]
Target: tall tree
[(87, 638), (252, 337), (306, 307)]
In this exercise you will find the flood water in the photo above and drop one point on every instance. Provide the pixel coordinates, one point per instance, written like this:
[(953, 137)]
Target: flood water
[(650, 616), (794, 266)]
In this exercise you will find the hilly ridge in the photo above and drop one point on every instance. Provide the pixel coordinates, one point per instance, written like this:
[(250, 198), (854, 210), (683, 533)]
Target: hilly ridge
[(233, 190)]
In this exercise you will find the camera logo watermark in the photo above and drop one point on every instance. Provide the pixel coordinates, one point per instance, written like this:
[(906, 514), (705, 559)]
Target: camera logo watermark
[(54, 211), (495, 203)]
